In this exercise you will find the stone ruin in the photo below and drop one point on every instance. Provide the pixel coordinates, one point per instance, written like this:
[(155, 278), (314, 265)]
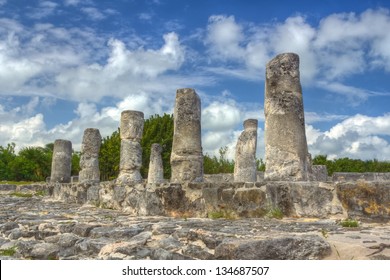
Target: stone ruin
[(131, 129), (61, 165), (290, 182), (286, 151), (89, 160), (187, 156), (245, 161)]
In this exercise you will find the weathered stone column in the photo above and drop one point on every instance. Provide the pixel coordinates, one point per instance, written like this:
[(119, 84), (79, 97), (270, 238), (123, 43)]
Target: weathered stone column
[(286, 151), (245, 162), (61, 165), (186, 156), (156, 171), (89, 160), (131, 129)]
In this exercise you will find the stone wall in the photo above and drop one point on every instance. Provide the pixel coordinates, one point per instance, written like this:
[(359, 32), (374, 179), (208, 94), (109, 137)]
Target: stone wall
[(294, 199)]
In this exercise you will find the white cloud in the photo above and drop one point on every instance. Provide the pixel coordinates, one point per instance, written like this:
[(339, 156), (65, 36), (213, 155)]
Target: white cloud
[(358, 136), (341, 45), (224, 37), (44, 9), (93, 13)]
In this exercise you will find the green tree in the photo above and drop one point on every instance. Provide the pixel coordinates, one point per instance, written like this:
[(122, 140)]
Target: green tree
[(7, 155), (31, 164), (157, 129), (109, 156), (214, 165)]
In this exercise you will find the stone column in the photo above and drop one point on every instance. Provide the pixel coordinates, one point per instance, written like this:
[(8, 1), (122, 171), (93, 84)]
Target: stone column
[(186, 156), (61, 165), (286, 151), (131, 129), (89, 160), (245, 162), (156, 171)]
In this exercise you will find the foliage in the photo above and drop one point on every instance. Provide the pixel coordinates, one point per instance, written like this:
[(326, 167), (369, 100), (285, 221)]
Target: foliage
[(222, 214), (275, 213), (7, 155), (351, 165), (21, 194), (9, 252), (349, 223), (30, 164), (214, 165), (157, 129), (109, 156)]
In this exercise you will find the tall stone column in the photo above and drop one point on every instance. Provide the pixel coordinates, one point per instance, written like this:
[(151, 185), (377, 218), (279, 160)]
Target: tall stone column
[(89, 160), (186, 156), (156, 171), (286, 151), (131, 129), (61, 165), (245, 162)]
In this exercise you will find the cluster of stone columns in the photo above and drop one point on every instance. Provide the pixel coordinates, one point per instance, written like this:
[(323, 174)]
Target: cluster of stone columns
[(286, 152)]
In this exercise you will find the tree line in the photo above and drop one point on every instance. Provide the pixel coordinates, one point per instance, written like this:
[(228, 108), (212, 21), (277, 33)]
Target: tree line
[(34, 163)]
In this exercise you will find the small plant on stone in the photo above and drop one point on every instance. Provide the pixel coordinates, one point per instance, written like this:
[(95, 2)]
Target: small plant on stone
[(40, 193), (9, 252), (324, 233), (222, 214), (349, 223), (20, 194), (275, 213)]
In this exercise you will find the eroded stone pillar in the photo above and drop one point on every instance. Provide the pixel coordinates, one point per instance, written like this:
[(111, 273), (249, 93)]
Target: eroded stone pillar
[(89, 160), (186, 156), (61, 165), (156, 171), (286, 153), (131, 129), (245, 161)]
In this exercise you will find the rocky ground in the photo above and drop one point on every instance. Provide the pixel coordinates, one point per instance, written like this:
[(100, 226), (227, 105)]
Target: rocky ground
[(37, 227)]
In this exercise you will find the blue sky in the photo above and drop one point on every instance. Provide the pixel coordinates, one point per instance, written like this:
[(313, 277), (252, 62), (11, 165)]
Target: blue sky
[(68, 65)]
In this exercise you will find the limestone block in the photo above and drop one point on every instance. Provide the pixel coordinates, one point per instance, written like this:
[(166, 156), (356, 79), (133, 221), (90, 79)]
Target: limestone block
[(286, 151), (245, 162), (62, 161), (187, 143), (156, 171), (132, 125)]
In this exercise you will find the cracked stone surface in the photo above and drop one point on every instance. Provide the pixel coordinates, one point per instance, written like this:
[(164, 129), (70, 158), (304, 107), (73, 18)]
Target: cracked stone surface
[(42, 228)]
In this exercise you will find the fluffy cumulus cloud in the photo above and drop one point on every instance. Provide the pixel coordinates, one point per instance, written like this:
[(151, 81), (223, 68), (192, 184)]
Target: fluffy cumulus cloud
[(341, 45), (358, 136)]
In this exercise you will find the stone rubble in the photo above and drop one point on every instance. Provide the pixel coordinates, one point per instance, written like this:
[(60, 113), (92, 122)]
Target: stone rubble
[(39, 227)]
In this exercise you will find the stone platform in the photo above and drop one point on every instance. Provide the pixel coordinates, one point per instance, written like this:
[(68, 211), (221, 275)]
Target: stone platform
[(39, 227)]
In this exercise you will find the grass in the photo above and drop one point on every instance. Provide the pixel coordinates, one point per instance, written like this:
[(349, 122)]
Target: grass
[(349, 223), (9, 252), (21, 194), (28, 195), (221, 214), (18, 183), (275, 213)]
